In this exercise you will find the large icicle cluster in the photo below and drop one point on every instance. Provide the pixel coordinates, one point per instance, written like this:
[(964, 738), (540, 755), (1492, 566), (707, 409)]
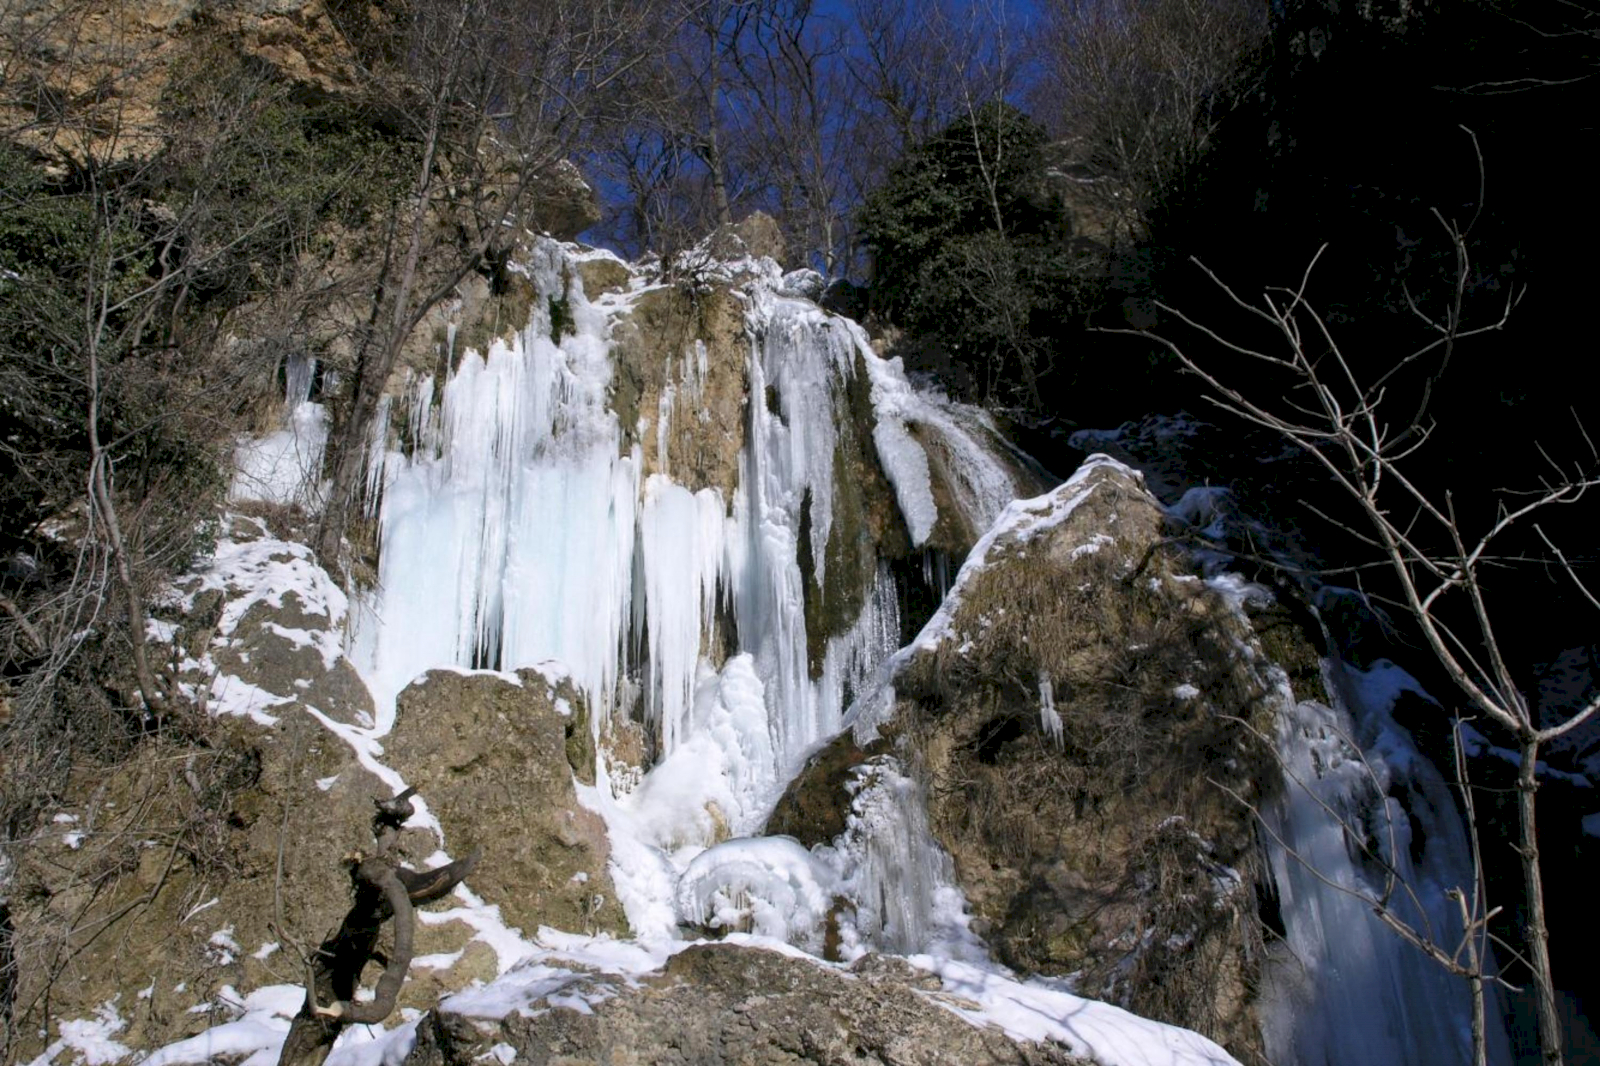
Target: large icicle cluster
[(506, 523), (515, 527)]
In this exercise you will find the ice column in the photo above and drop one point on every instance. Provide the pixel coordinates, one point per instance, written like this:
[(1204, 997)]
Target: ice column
[(507, 521)]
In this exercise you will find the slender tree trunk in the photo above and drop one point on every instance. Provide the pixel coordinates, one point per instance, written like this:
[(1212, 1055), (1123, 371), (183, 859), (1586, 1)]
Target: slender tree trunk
[(1550, 1042), (378, 354), (711, 153), (150, 689), (102, 503)]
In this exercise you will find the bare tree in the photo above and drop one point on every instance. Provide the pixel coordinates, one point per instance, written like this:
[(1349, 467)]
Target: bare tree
[(1355, 429), (1135, 89), (495, 120)]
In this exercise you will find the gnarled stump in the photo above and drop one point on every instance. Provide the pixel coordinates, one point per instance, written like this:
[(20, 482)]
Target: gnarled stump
[(383, 890)]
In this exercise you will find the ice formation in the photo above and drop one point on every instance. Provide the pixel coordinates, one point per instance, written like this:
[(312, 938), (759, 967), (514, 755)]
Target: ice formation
[(284, 467), (517, 528), (1359, 802)]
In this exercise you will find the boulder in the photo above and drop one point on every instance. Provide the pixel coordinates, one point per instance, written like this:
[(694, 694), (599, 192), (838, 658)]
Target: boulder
[(755, 236), (739, 1006), (561, 203), (490, 754), (1088, 718)]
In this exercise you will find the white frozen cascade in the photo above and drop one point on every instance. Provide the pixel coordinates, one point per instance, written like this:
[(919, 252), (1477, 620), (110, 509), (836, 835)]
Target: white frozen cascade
[(516, 527), (283, 467), (1359, 802)]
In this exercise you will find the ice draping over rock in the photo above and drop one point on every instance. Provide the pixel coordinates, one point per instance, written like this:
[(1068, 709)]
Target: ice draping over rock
[(1019, 521), (516, 528)]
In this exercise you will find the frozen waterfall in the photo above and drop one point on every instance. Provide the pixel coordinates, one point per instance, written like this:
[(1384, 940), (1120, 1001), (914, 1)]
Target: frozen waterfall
[(1360, 802), (517, 525)]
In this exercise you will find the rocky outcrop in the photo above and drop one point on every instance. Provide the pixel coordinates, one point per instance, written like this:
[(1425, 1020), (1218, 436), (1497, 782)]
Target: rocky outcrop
[(186, 869), (494, 757), (682, 383), (757, 235), (737, 1006), (209, 856), (1088, 718), (99, 71)]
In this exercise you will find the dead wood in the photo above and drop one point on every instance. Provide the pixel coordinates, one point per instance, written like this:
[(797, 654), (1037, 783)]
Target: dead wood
[(383, 890)]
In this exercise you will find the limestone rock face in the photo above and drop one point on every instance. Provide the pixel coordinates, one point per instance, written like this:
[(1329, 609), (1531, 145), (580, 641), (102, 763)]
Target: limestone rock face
[(491, 757), (737, 1006), (756, 235), (110, 63)]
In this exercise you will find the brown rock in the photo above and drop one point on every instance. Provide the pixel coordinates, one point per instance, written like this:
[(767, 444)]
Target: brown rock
[(603, 274), (724, 1005), (756, 235), (562, 204), (491, 758), (814, 808), (657, 354), (1112, 851)]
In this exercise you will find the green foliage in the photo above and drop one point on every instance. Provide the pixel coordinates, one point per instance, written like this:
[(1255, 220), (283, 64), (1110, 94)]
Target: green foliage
[(58, 254), (970, 252), (561, 321)]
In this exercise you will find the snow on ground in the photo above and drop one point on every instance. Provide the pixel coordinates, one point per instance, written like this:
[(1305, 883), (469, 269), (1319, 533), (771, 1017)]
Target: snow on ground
[(91, 1040), (1033, 1010)]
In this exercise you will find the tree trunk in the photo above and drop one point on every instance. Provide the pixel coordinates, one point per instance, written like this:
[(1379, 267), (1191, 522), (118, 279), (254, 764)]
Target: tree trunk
[(102, 503), (383, 891), (1550, 1042)]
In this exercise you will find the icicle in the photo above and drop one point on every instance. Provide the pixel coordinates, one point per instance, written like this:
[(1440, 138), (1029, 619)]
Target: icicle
[(889, 865), (285, 467), (681, 535), (960, 441), (299, 372), (1049, 718), (507, 534)]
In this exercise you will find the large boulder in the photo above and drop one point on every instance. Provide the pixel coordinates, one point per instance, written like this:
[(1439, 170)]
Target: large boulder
[(1088, 717), (494, 756), (561, 203), (725, 1005)]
